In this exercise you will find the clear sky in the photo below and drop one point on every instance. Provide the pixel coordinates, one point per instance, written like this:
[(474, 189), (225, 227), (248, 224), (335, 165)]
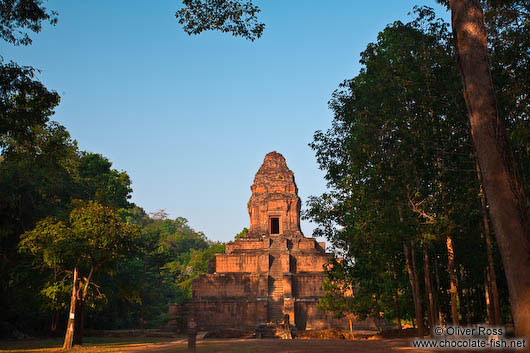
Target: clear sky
[(191, 118)]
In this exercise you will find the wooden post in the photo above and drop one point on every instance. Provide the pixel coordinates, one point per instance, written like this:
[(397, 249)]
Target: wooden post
[(192, 335)]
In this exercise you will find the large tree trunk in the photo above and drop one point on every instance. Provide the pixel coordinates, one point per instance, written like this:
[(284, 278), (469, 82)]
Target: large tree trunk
[(508, 204), (70, 328), (428, 288), (452, 279), (415, 290)]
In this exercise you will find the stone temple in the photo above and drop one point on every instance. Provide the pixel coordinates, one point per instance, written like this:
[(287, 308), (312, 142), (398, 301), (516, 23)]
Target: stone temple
[(274, 271)]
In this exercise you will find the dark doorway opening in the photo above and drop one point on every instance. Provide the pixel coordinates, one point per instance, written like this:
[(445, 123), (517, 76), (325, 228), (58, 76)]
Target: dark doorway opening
[(275, 225)]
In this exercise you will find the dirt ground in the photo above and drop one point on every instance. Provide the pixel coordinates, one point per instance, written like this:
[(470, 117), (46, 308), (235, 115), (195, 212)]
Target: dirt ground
[(302, 346), (221, 346), (290, 346)]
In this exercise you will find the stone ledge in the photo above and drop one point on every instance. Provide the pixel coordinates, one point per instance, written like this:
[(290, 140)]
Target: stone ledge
[(228, 299)]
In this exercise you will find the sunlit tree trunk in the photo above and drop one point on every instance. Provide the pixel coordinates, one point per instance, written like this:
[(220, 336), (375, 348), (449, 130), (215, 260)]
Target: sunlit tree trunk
[(70, 328), (487, 296), (351, 327), (452, 279), (415, 289), (78, 337), (508, 204)]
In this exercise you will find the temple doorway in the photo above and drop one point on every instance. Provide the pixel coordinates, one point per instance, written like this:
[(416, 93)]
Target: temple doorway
[(275, 225)]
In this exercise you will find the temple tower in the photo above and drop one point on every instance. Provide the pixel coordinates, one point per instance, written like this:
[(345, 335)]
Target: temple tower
[(275, 271), (274, 207)]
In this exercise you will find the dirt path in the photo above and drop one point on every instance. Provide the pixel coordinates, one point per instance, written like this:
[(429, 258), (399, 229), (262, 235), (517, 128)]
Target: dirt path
[(287, 346), (137, 345)]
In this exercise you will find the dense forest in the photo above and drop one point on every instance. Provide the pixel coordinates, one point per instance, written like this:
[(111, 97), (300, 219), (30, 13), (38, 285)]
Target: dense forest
[(406, 209)]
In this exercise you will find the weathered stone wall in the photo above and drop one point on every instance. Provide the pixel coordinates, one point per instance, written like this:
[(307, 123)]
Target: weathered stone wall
[(248, 262), (225, 313), (309, 317), (307, 285), (229, 285), (247, 244), (310, 262)]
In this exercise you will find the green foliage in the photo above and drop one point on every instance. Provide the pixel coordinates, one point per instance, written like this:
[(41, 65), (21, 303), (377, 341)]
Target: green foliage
[(93, 237), (508, 25), (171, 255), (100, 182), (237, 17), (129, 259), (400, 167), (24, 103), (17, 16), (242, 234), (338, 292)]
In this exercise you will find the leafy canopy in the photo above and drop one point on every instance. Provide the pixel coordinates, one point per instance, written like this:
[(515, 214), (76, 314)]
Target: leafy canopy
[(233, 16), (19, 16), (94, 236)]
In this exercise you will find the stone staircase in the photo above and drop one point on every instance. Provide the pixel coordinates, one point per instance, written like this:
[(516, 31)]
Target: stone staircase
[(275, 302)]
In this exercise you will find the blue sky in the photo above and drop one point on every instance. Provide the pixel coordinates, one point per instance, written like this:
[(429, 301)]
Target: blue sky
[(191, 118)]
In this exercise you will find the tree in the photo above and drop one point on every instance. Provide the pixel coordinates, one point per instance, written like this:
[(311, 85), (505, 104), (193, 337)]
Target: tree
[(98, 181), (504, 190), (235, 16), (170, 255), (93, 239), (401, 173), (20, 15), (24, 102), (242, 234), (338, 295)]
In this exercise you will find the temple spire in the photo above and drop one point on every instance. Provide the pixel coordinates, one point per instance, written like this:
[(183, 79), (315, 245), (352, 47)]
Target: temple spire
[(274, 207)]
